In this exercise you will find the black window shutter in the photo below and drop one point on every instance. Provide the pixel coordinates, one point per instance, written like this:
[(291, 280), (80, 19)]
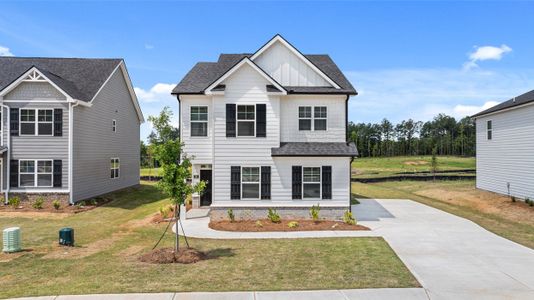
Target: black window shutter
[(58, 122), (235, 183), (230, 120), (14, 120), (14, 176), (265, 182), (327, 182), (58, 172), (261, 120), (297, 182)]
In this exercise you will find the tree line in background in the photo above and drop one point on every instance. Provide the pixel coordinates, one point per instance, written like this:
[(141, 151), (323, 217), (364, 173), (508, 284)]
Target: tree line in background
[(444, 134)]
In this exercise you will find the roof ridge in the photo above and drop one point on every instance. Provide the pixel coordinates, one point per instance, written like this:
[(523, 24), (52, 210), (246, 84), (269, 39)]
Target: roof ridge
[(58, 58)]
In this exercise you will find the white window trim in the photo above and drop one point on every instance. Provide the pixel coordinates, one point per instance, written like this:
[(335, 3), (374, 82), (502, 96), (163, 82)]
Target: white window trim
[(36, 122), (114, 125), (249, 182), (197, 121), (489, 130), (249, 121), (314, 182), (312, 117), (112, 168), (36, 173)]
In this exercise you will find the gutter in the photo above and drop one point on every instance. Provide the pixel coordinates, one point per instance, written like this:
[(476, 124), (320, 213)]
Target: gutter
[(350, 184)]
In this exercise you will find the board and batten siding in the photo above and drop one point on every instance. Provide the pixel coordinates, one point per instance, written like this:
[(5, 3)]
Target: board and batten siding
[(335, 118), (287, 68), (95, 143), (509, 156), (200, 147), (38, 147)]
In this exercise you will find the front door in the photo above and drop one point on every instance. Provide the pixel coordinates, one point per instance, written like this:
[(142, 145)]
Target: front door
[(205, 198)]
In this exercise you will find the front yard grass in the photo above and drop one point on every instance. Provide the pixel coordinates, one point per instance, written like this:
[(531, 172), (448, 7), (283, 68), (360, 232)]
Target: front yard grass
[(496, 213), (110, 238)]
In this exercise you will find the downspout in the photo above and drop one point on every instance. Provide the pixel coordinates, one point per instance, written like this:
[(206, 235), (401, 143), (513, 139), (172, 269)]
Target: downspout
[(71, 134), (350, 183), (8, 156)]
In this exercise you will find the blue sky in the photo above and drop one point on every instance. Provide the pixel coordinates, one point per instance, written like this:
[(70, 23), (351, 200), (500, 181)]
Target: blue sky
[(407, 59)]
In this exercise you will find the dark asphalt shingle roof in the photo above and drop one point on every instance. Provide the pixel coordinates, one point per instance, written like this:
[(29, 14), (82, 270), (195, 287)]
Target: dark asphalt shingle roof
[(315, 149), (519, 100), (81, 78), (203, 74)]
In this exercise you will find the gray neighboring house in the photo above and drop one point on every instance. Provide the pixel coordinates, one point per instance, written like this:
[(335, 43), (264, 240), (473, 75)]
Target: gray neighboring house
[(505, 147), (70, 128)]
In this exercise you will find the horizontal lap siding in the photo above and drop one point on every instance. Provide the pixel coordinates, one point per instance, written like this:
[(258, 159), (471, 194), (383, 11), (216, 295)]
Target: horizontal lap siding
[(509, 156), (199, 147), (95, 142)]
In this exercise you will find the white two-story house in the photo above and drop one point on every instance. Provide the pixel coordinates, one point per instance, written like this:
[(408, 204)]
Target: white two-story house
[(69, 128), (268, 130)]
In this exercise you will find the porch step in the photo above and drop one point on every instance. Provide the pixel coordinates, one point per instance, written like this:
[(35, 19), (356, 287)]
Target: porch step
[(195, 213)]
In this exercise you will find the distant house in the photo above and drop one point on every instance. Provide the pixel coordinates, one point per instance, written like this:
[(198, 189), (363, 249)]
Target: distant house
[(268, 129), (70, 128), (505, 147)]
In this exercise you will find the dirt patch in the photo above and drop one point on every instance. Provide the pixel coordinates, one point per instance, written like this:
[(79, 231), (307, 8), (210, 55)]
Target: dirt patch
[(33, 214), (266, 225), (83, 251), (167, 256), (484, 201), (7, 257), (416, 163)]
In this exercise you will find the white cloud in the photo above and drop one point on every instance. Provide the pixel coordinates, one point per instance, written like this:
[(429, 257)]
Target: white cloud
[(485, 53), (469, 110), (149, 46), (152, 102), (159, 92), (4, 51)]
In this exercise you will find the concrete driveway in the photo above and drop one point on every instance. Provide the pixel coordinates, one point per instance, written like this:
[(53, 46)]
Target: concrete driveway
[(453, 258)]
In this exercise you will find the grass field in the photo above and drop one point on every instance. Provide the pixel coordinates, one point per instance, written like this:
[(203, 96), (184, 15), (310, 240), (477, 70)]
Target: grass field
[(150, 171), (109, 240), (387, 166), (496, 213)]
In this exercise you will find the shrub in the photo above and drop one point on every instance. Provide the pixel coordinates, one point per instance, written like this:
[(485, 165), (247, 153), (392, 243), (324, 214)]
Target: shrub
[(93, 202), (293, 224), (165, 211), (273, 216), (14, 202), (78, 205), (259, 223), (231, 215), (38, 204), (348, 218), (314, 212), (531, 203), (56, 204), (527, 200), (513, 198)]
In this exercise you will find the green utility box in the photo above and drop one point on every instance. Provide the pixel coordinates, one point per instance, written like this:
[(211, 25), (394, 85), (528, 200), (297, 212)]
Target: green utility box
[(66, 236)]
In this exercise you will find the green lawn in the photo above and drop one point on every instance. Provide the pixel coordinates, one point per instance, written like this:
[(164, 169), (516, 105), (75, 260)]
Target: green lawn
[(150, 171), (110, 238), (386, 166)]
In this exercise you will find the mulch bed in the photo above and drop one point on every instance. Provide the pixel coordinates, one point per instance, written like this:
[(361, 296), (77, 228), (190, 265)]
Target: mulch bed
[(266, 225), (167, 256), (48, 207)]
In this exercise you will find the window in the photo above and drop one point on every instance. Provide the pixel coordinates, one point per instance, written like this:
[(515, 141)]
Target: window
[(305, 118), (311, 182), (250, 182), (246, 120), (489, 129), (199, 121), (319, 118), (42, 125), (29, 176), (114, 125), (115, 168)]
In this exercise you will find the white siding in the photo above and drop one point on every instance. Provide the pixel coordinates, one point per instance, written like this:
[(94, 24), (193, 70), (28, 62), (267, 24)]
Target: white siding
[(287, 68), (335, 118), (201, 148), (509, 156)]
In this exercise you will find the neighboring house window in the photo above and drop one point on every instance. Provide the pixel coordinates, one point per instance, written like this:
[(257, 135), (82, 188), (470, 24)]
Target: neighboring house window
[(42, 125), (319, 118), (114, 125), (489, 129), (305, 118), (29, 176), (250, 182), (246, 119), (311, 182), (115, 168), (199, 121)]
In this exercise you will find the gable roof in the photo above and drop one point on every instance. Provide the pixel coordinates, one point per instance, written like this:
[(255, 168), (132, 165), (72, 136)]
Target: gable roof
[(525, 98), (80, 78), (203, 74), (315, 149)]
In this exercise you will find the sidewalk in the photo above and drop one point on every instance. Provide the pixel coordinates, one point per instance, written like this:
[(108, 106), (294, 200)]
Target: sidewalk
[(377, 294)]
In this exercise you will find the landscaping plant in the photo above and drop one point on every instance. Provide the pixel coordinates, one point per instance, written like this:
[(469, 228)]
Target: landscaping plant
[(348, 218), (231, 215), (293, 224), (56, 204), (259, 224), (14, 202), (314, 212), (273, 216), (38, 204)]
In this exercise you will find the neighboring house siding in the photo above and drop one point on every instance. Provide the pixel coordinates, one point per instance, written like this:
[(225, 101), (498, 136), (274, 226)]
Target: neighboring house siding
[(509, 156), (95, 143), (34, 90), (289, 118), (288, 69), (201, 147)]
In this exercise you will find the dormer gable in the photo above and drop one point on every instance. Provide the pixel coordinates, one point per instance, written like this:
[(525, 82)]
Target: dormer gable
[(33, 85)]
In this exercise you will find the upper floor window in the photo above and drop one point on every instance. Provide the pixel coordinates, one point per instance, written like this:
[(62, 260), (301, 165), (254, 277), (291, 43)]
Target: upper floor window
[(311, 182), (114, 125), (41, 125), (199, 121), (115, 168), (312, 121), (489, 129), (246, 120)]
